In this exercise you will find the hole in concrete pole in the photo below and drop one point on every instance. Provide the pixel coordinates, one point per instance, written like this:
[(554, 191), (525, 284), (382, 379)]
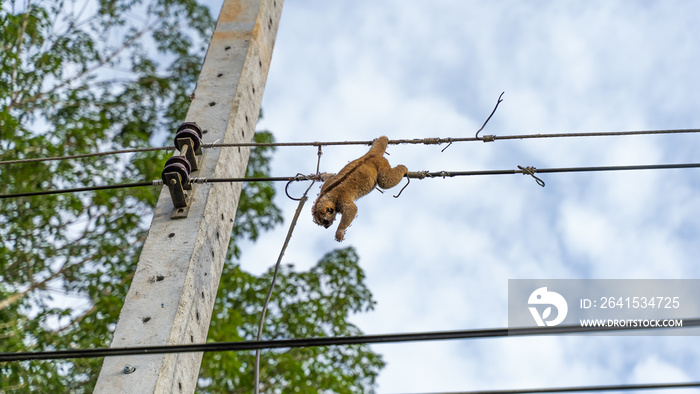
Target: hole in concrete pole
[(146, 319)]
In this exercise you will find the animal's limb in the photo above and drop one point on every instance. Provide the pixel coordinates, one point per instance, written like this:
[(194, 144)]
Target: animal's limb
[(378, 146), (349, 212), (389, 177)]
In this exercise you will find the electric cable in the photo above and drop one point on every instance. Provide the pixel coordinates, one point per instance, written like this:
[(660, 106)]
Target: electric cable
[(423, 141), (621, 387), (328, 341), (83, 189), (85, 155), (300, 206), (418, 175)]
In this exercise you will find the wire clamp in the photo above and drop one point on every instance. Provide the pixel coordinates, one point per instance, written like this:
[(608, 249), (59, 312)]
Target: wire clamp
[(198, 180), (531, 171), (417, 174)]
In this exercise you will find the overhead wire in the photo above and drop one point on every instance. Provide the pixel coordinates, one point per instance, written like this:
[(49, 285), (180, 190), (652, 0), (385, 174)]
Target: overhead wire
[(621, 387), (423, 141), (82, 189), (85, 155), (416, 174), (330, 341), (300, 206)]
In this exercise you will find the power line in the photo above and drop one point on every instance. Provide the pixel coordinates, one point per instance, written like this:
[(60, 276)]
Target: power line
[(448, 174), (622, 387), (85, 155), (327, 341), (256, 367), (590, 134), (82, 189), (423, 141), (417, 175)]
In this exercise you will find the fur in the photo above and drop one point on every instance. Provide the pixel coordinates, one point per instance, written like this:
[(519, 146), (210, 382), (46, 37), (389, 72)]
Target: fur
[(356, 179)]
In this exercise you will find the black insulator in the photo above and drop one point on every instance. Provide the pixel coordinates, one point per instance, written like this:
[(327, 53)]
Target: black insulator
[(192, 126), (182, 160), (191, 134), (180, 165)]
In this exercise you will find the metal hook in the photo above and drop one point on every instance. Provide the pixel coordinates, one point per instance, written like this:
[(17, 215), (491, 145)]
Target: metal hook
[(531, 171), (405, 186), (298, 178), (448, 145), (489, 118)]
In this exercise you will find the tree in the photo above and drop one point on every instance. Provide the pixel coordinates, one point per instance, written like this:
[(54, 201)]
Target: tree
[(304, 304), (79, 77)]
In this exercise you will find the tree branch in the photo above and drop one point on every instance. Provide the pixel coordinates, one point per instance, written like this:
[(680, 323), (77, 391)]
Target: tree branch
[(77, 319), (13, 298), (101, 63), (20, 40), (37, 285)]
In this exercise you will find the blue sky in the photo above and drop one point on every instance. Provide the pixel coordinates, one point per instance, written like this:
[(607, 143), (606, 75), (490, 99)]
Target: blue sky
[(440, 256)]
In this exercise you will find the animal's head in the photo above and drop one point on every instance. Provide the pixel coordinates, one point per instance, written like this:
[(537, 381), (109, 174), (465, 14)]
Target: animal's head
[(324, 212)]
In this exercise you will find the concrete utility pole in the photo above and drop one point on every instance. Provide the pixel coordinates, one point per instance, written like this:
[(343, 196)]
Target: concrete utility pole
[(174, 287)]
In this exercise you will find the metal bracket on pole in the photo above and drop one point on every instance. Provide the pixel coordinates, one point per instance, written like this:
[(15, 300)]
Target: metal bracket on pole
[(186, 148), (174, 182), (177, 170), (176, 176)]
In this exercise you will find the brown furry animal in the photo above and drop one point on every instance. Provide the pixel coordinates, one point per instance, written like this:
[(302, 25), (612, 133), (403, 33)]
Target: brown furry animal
[(355, 180)]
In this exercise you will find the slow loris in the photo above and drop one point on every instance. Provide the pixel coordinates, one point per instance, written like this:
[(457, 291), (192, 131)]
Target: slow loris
[(355, 180)]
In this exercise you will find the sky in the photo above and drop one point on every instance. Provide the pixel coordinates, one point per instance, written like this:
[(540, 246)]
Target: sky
[(439, 257)]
